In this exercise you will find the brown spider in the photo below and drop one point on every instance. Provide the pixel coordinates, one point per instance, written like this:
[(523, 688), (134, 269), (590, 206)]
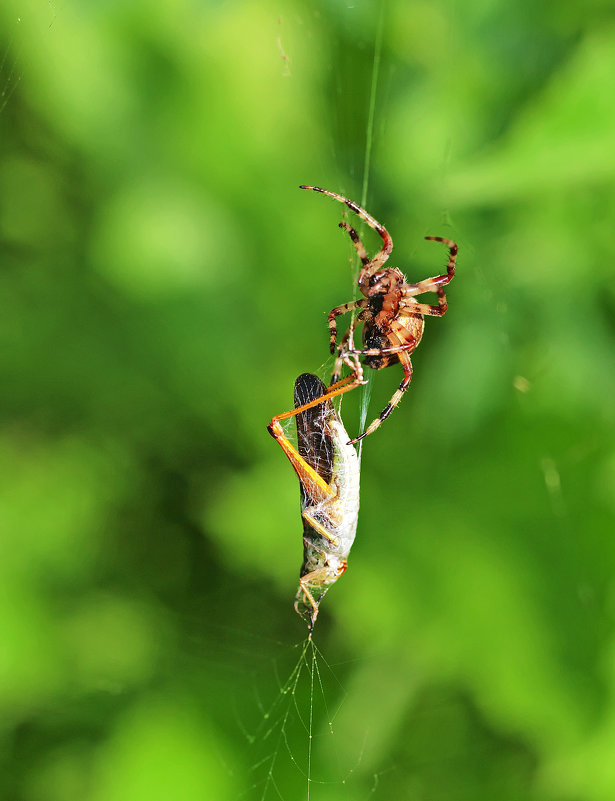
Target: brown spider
[(393, 321)]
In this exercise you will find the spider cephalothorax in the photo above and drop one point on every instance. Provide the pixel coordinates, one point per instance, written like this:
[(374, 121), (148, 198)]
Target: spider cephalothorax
[(384, 293), (393, 320)]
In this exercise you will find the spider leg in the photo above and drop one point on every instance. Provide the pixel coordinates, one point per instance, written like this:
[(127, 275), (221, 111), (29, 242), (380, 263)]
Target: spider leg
[(434, 284), (425, 308), (359, 246), (379, 259), (404, 359), (384, 351), (452, 253), (337, 367), (346, 307), (344, 352)]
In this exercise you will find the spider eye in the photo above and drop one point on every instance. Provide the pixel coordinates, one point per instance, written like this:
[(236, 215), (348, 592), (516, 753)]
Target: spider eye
[(373, 279)]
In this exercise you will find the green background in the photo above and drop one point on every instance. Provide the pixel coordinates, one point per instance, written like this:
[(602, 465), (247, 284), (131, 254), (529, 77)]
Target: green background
[(163, 281)]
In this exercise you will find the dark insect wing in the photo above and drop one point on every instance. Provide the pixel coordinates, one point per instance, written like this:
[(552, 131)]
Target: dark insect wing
[(313, 440)]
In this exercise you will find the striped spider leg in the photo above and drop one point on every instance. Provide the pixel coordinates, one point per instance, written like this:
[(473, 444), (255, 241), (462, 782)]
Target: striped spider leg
[(328, 470), (393, 320)]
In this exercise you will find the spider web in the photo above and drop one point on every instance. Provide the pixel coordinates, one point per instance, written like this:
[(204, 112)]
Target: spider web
[(296, 723), (298, 726), (299, 723), (366, 390), (12, 54), (10, 74), (297, 717)]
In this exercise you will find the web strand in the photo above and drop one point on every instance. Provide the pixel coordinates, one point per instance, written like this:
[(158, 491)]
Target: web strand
[(308, 666), (366, 390)]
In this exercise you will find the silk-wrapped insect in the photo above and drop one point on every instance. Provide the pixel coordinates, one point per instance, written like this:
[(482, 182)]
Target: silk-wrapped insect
[(328, 469)]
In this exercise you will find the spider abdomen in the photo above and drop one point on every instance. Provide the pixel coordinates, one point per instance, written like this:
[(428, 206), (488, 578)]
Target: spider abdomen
[(412, 325), (374, 338)]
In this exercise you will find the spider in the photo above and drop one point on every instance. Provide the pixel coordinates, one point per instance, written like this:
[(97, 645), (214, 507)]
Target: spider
[(393, 321)]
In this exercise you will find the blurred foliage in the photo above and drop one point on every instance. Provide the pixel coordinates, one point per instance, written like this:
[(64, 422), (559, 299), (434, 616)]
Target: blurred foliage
[(164, 281)]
